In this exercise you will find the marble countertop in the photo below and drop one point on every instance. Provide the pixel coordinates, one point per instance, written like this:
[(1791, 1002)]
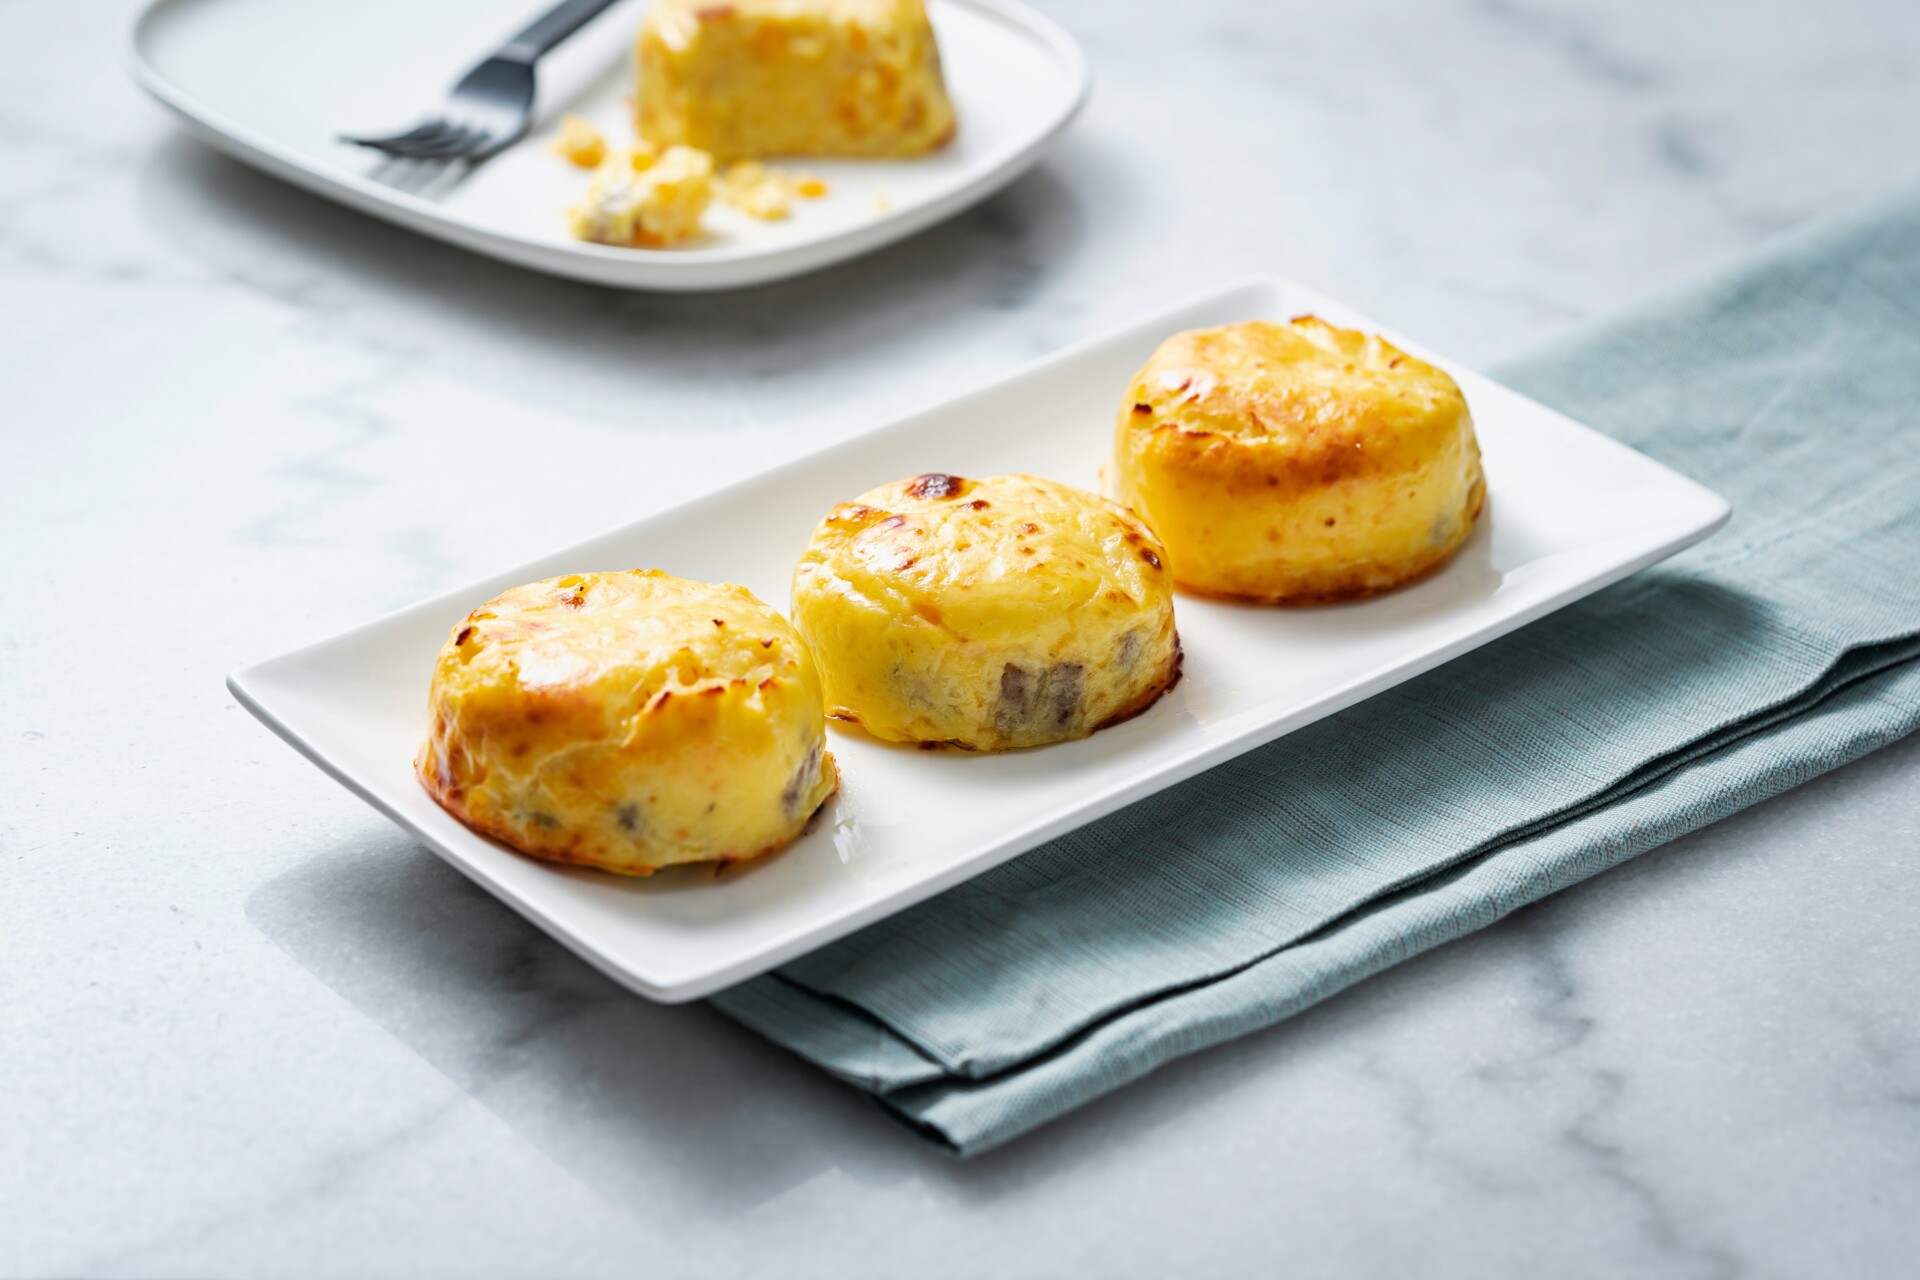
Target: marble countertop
[(248, 1028)]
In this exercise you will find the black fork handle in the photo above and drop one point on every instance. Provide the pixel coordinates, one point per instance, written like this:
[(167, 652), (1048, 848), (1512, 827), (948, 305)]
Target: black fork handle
[(550, 28)]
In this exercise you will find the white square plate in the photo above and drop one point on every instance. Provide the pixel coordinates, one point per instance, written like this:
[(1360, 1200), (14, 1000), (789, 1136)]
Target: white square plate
[(274, 81), (1568, 512)]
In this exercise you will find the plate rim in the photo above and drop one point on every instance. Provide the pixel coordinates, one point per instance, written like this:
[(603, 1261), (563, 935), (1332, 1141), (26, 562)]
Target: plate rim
[(650, 270), (249, 684)]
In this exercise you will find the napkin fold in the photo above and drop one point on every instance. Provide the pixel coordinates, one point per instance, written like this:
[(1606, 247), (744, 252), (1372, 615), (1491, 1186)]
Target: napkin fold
[(1782, 648)]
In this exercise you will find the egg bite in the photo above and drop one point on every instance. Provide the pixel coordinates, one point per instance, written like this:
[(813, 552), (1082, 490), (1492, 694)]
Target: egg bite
[(628, 721), (1297, 463), (752, 78), (986, 614)]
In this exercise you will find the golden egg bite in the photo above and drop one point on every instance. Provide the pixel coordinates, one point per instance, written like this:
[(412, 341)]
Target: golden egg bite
[(628, 721), (1297, 463), (986, 614), (749, 78)]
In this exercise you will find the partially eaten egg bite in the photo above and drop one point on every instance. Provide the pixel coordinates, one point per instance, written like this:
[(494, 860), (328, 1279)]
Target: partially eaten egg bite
[(986, 614), (752, 78), (724, 85), (1297, 463), (628, 721)]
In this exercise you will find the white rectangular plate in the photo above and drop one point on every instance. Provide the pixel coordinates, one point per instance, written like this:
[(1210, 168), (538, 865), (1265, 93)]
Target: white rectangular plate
[(274, 82), (1568, 512)]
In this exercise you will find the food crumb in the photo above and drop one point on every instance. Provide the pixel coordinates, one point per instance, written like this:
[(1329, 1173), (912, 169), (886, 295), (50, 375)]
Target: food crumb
[(579, 142), (762, 191), (640, 200)]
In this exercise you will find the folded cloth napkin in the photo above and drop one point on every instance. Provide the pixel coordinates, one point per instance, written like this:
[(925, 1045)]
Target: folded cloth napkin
[(1780, 649)]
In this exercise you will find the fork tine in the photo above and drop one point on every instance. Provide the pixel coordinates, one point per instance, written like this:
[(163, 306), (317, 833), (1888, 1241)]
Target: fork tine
[(430, 146), (459, 142), (415, 134)]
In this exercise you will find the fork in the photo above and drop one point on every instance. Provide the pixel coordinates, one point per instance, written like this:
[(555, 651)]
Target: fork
[(490, 107)]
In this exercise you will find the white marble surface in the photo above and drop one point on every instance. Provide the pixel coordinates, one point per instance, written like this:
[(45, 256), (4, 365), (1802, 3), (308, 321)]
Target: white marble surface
[(248, 1029)]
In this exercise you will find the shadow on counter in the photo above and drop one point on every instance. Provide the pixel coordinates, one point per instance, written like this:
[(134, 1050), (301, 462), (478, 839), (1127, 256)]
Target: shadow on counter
[(675, 1106), (943, 300)]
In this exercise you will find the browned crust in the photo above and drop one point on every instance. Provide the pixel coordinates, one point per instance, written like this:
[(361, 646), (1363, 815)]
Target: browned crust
[(1205, 436), (569, 856)]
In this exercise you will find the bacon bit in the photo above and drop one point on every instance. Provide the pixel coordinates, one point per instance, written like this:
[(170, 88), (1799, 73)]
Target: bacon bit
[(979, 504), (905, 563), (465, 632), (934, 484), (768, 682), (1146, 553), (718, 623), (1395, 362), (768, 642), (1028, 526), (1142, 408), (572, 599)]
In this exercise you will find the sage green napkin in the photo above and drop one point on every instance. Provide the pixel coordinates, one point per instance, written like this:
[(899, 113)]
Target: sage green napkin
[(1778, 650)]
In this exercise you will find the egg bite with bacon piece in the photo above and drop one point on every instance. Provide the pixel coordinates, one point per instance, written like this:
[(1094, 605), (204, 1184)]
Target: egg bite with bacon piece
[(987, 614)]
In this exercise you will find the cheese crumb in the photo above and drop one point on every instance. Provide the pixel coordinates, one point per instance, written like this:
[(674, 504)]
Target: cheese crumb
[(638, 199)]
